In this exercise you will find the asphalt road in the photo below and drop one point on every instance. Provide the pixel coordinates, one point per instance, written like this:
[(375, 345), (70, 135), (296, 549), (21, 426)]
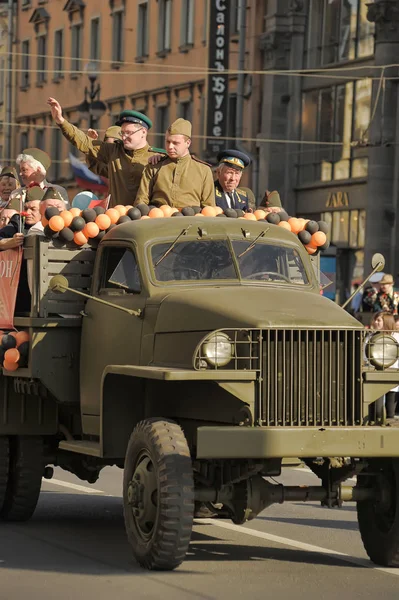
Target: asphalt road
[(75, 547)]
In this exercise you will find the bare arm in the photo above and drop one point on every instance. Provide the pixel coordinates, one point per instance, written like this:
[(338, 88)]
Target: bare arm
[(14, 242)]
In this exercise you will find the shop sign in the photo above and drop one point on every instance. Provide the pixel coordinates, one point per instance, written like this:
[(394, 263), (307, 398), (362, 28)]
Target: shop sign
[(218, 80), (338, 200)]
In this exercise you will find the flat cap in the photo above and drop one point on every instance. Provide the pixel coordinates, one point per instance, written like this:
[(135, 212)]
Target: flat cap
[(113, 132), (39, 155), (9, 172), (51, 193), (180, 127), (234, 158), (132, 116), (387, 279)]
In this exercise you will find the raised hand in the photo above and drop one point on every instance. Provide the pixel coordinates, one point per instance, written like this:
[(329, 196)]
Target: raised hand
[(92, 133), (56, 110)]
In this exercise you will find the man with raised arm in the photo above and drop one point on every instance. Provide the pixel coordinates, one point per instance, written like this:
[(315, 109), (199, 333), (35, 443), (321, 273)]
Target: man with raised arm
[(126, 159)]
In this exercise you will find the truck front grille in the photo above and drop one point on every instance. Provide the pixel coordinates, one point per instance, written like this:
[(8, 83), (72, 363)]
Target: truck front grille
[(311, 377)]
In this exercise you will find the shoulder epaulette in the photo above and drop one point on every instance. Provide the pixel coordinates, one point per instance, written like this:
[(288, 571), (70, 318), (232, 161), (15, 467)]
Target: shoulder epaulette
[(194, 157), (158, 150), (242, 191)]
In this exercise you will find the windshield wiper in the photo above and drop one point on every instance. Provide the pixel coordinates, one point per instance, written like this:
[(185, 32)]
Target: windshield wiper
[(262, 233), (173, 244)]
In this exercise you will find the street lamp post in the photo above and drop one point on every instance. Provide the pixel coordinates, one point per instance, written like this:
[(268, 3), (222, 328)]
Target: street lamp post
[(92, 108)]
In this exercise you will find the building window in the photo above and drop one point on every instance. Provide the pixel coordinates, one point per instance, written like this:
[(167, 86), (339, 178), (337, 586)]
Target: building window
[(58, 54), (187, 24), (24, 141), (56, 140), (40, 139), (2, 79), (41, 59), (162, 123), (25, 75), (339, 114), (95, 39), (185, 110), (338, 30), (76, 49), (347, 227), (142, 30), (234, 17), (118, 20), (164, 25)]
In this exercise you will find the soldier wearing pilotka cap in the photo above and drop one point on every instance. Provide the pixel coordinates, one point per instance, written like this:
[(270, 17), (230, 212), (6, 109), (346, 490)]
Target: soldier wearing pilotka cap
[(181, 179), (125, 160)]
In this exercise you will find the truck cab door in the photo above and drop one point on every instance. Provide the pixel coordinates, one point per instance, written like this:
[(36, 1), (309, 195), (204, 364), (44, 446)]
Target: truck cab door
[(109, 336)]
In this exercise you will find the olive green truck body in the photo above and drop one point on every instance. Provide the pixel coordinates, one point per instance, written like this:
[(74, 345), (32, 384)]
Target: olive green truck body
[(291, 379)]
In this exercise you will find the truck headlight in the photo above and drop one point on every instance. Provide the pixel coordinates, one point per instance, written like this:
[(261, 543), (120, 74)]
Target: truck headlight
[(218, 350), (382, 350)]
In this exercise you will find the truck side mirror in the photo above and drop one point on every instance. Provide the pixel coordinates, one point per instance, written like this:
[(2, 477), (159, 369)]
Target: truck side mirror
[(378, 262), (58, 284)]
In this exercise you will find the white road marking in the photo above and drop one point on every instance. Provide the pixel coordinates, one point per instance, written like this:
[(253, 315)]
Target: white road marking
[(74, 486), (300, 545)]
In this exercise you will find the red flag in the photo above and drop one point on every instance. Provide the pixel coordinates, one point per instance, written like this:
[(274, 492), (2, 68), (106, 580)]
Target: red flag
[(103, 203), (10, 268)]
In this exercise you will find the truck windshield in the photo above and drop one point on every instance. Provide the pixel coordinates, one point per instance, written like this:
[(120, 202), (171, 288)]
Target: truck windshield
[(212, 259)]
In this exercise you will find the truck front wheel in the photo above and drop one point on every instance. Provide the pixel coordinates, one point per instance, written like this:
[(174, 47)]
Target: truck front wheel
[(158, 494), (379, 517), (4, 467), (24, 479)]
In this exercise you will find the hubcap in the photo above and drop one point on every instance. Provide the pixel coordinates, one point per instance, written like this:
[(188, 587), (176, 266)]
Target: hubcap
[(142, 495)]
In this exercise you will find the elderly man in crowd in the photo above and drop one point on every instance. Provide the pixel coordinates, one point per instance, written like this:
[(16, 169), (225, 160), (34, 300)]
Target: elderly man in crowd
[(13, 234), (228, 194), (8, 184), (33, 166), (181, 179), (385, 299), (51, 198)]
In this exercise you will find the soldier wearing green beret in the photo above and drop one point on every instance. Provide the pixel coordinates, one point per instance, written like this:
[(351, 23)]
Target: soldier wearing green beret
[(181, 179), (125, 160)]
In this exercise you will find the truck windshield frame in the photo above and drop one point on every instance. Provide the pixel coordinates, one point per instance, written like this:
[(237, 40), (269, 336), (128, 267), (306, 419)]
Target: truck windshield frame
[(188, 263)]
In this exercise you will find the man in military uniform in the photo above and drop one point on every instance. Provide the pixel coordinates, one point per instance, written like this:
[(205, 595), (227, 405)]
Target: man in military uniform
[(112, 136), (228, 194), (125, 161), (181, 179), (33, 166)]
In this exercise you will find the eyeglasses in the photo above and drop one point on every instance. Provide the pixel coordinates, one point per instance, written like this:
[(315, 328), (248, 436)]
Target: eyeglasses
[(129, 134)]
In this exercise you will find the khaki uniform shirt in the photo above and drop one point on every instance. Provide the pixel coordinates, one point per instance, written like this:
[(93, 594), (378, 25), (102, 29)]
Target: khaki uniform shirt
[(95, 166), (182, 182), (124, 167)]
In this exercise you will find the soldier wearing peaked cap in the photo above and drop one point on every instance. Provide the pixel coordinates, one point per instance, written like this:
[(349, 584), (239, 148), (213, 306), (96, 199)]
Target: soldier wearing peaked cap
[(125, 160), (228, 192), (180, 179)]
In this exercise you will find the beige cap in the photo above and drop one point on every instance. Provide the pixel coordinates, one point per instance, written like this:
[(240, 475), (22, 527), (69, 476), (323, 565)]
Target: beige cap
[(52, 194), (39, 155), (180, 127), (386, 279), (113, 132)]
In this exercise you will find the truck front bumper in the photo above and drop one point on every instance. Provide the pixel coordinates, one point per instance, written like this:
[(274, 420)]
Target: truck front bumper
[(283, 442)]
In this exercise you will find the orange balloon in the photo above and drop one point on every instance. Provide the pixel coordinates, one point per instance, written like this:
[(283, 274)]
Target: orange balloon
[(259, 214), (144, 217), (302, 223), (10, 366), (209, 211), (67, 216), (21, 337), (121, 209), (56, 223), (285, 225), (44, 221), (113, 214), (295, 224), (13, 333), (155, 213), (310, 249), (167, 210), (218, 210), (103, 221), (174, 210), (75, 212), (250, 216), (318, 239), (128, 207), (79, 238), (12, 355), (91, 230)]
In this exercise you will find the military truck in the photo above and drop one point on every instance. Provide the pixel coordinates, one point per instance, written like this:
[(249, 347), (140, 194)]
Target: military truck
[(197, 354)]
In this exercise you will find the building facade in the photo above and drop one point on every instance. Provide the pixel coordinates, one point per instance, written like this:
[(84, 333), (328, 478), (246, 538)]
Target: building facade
[(151, 56), (344, 113)]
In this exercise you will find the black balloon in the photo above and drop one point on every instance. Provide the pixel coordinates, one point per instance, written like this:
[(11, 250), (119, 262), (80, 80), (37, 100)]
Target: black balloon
[(99, 210), (51, 211), (323, 226), (188, 211), (89, 215), (230, 212), (48, 232), (273, 218), (196, 209), (123, 219), (283, 215), (8, 341), (77, 224), (111, 227), (312, 227), (324, 246), (177, 214), (143, 208), (305, 237), (24, 349), (221, 215), (240, 213), (66, 235), (134, 214)]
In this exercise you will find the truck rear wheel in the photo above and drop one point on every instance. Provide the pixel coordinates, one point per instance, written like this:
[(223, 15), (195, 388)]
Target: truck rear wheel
[(4, 467), (379, 518), (158, 494), (25, 478)]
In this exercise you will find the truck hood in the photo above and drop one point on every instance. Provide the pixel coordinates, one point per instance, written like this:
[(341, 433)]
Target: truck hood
[(211, 308)]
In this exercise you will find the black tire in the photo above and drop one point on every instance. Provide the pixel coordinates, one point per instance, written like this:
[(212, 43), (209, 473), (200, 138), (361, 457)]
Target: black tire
[(379, 520), (4, 467), (158, 494), (25, 478)]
